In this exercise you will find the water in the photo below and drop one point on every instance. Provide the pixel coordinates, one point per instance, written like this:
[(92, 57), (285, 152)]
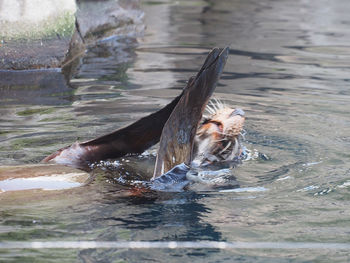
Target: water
[(288, 70)]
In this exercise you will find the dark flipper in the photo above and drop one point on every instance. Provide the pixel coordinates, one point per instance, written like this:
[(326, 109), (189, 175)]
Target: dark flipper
[(178, 134), (172, 181), (185, 112), (135, 138)]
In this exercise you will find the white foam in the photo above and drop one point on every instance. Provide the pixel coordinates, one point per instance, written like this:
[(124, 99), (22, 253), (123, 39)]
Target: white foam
[(245, 189)]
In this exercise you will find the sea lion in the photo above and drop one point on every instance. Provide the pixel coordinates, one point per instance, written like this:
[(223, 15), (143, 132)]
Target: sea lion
[(177, 139), (183, 137)]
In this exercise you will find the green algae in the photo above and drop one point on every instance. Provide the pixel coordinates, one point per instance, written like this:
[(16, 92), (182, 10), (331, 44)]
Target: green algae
[(40, 111)]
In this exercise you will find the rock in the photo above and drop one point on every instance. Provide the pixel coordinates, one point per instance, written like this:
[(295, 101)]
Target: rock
[(98, 20), (37, 34), (101, 19), (32, 54)]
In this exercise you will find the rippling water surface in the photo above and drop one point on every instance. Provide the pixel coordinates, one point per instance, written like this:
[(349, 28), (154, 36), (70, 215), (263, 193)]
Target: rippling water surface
[(288, 69)]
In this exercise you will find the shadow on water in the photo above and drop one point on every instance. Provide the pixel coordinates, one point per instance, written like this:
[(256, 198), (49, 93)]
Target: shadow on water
[(173, 210), (152, 217), (34, 87)]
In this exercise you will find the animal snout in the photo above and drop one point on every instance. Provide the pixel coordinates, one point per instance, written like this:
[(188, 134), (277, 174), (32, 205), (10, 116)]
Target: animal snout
[(238, 112)]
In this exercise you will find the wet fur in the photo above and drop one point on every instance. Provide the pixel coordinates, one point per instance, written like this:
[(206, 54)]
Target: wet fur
[(218, 136)]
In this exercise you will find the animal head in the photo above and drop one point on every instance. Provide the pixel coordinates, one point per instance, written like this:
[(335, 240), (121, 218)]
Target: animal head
[(218, 135)]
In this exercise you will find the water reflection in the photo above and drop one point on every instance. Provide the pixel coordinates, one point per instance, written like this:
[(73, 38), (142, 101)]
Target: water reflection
[(171, 216), (156, 217), (289, 74), (34, 87)]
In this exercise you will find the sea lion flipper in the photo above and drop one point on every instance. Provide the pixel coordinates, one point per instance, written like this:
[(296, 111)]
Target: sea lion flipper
[(178, 134), (135, 138)]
